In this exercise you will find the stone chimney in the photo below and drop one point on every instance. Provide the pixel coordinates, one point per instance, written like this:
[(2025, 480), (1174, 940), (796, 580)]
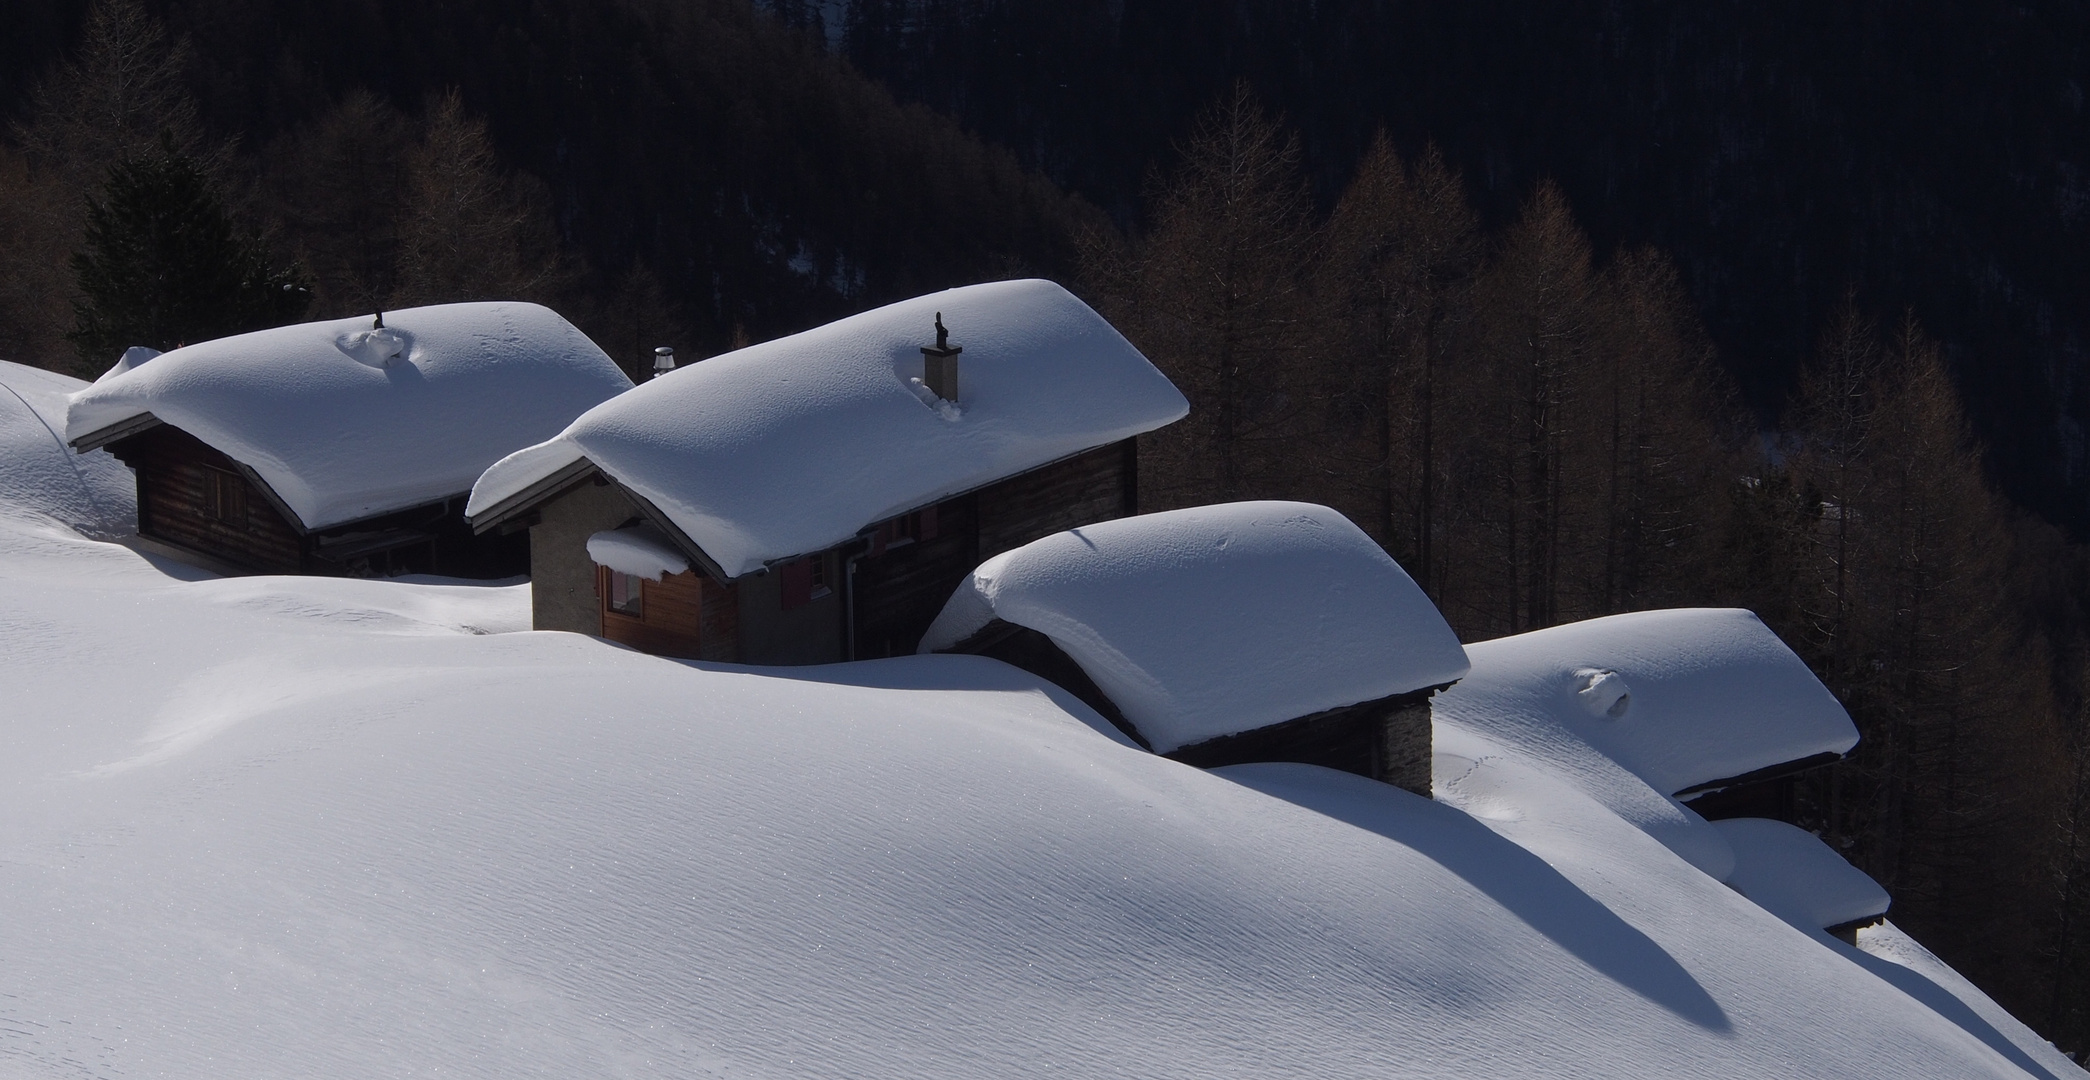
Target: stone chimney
[(940, 364)]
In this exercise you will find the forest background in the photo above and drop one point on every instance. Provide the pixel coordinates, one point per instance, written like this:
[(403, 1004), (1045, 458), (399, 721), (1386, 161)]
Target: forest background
[(1577, 308)]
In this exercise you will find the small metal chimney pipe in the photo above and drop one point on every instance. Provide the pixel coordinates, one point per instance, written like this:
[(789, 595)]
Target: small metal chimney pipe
[(663, 361), (940, 363)]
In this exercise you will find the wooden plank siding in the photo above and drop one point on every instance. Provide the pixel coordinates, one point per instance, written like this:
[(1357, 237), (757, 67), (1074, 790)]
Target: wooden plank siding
[(194, 497), (896, 592), (684, 615), (176, 473), (1097, 485)]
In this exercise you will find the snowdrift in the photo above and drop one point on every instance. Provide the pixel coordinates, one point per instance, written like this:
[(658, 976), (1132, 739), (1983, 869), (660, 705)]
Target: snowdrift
[(295, 826)]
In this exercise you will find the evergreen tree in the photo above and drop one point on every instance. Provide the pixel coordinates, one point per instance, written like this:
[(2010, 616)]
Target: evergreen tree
[(164, 265)]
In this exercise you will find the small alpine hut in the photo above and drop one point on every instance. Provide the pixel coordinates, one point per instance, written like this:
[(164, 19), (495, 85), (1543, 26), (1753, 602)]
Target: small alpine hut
[(1221, 635), (345, 447), (1705, 705), (816, 498)]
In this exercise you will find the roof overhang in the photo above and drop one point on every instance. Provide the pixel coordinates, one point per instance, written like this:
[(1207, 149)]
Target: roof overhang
[(522, 502), (122, 429)]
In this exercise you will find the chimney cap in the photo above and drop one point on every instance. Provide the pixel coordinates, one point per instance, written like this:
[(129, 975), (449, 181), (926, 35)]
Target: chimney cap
[(663, 361)]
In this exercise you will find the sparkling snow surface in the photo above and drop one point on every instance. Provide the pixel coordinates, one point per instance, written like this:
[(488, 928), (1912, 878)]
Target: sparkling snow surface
[(641, 551), (1217, 619), (793, 445), (345, 421), (302, 827)]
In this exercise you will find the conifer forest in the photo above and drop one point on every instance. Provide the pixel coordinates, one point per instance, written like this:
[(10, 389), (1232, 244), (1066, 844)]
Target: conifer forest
[(1576, 308)]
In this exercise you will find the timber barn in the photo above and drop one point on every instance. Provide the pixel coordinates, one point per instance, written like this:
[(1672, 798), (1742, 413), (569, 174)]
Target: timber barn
[(816, 498), (1307, 643), (345, 447)]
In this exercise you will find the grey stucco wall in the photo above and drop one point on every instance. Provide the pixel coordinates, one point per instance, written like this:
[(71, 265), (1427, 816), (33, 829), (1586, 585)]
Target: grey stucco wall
[(562, 577)]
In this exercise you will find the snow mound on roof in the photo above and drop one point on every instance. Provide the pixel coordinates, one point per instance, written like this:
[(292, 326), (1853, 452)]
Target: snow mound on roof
[(793, 445), (642, 551), (91, 493), (1679, 697), (1793, 875), (345, 421), (1217, 619), (133, 357)]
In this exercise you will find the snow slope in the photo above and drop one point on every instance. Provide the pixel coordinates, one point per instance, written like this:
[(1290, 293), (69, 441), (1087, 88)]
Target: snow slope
[(346, 421), (39, 474), (1295, 610), (793, 445), (282, 826)]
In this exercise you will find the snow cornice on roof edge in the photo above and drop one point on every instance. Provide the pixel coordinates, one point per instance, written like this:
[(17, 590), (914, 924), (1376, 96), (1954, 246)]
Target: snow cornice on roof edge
[(796, 445)]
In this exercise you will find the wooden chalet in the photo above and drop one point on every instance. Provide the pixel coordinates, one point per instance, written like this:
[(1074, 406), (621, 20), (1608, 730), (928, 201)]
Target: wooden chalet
[(816, 498), (1224, 635), (345, 447)]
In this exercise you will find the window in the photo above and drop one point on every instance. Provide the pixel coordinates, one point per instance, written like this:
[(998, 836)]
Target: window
[(904, 530), (224, 497), (804, 581), (626, 593)]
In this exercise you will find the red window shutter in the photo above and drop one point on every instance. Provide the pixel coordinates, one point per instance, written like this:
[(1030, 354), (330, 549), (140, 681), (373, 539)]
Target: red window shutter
[(928, 525), (797, 579)]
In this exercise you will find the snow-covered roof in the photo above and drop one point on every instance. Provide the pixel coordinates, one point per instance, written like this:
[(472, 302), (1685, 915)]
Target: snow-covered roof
[(641, 551), (344, 421), (1679, 697), (794, 445), (1216, 620), (1790, 873)]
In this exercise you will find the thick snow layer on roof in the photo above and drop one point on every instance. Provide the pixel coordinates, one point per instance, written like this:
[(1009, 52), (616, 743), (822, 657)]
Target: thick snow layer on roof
[(133, 357), (345, 421), (1680, 697), (92, 493), (793, 445), (1793, 875), (331, 828), (1217, 619), (642, 551)]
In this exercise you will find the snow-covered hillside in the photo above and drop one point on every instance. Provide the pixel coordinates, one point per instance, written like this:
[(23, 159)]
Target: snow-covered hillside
[(286, 826)]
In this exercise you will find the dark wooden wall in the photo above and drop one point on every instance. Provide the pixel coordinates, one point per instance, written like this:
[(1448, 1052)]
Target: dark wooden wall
[(898, 591), (174, 469), (1098, 485)]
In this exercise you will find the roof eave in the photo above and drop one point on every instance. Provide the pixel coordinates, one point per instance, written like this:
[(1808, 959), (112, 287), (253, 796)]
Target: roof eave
[(122, 429)]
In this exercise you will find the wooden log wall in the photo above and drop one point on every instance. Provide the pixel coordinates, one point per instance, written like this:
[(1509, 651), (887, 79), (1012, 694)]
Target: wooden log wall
[(899, 590), (1094, 486), (177, 473)]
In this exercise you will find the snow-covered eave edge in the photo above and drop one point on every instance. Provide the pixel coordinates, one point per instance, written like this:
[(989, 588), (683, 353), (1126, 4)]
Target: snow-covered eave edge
[(116, 432), (103, 437), (581, 469)]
